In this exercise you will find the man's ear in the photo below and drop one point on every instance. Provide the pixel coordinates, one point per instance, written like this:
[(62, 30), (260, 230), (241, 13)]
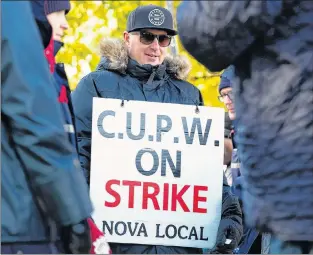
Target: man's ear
[(126, 37)]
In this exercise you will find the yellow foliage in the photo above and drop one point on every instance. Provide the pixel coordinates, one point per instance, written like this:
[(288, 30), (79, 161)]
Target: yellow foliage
[(90, 21)]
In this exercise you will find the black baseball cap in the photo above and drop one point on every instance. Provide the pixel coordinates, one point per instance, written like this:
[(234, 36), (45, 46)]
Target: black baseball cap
[(151, 17)]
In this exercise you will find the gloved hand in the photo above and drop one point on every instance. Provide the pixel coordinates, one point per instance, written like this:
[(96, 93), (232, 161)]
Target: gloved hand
[(76, 238), (226, 238)]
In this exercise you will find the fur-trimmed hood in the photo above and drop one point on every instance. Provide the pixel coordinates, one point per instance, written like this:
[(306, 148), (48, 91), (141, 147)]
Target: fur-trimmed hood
[(114, 55)]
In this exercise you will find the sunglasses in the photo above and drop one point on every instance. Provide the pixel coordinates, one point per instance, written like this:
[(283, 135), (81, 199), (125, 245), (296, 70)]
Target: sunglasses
[(148, 38)]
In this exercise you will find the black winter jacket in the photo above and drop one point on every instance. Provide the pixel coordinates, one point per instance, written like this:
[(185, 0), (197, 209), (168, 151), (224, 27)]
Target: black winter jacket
[(119, 77), (270, 43), (42, 187)]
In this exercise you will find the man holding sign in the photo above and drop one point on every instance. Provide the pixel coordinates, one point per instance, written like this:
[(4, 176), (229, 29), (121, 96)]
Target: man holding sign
[(156, 178)]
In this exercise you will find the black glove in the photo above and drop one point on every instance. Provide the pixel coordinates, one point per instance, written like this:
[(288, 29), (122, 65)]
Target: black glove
[(226, 238), (76, 238)]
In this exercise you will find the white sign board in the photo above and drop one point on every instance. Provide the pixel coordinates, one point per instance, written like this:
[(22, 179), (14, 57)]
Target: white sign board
[(157, 172)]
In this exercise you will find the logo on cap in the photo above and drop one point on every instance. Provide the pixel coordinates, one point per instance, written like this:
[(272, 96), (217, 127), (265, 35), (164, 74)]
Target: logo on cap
[(156, 17)]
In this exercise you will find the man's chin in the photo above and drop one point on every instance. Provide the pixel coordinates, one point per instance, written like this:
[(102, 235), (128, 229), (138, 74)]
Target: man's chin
[(153, 63)]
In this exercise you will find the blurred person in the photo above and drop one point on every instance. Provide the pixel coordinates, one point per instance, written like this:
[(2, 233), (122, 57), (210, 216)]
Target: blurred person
[(142, 59), (252, 242), (270, 43), (50, 16), (51, 20), (44, 197)]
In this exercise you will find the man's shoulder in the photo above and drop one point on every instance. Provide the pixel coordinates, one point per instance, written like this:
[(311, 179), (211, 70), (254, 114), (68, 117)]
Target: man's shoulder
[(100, 78), (189, 94), (101, 74), (185, 85)]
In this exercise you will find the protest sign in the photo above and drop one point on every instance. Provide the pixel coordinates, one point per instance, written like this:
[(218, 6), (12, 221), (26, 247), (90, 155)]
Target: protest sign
[(157, 172)]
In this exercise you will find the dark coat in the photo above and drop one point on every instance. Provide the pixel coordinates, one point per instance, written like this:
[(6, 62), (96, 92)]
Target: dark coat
[(119, 77), (270, 43), (40, 10), (116, 77), (41, 184)]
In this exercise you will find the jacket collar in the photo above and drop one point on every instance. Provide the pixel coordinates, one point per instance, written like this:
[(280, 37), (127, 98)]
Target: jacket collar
[(114, 57)]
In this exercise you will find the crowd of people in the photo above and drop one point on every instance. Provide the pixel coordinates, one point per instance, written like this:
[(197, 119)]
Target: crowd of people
[(266, 51)]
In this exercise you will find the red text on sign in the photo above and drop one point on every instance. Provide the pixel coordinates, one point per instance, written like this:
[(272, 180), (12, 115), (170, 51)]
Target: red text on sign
[(150, 192)]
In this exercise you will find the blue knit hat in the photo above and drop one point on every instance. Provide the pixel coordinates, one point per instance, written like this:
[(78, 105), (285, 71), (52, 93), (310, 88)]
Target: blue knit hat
[(41, 8), (226, 78)]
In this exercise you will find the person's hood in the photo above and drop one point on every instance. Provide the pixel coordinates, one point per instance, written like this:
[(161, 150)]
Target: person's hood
[(114, 57), (42, 22), (40, 10)]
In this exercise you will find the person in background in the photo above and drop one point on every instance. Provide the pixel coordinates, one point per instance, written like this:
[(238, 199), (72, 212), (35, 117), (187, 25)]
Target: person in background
[(270, 43), (44, 197), (252, 242), (50, 16), (51, 20)]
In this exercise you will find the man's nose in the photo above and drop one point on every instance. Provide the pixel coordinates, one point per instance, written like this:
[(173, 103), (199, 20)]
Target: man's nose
[(155, 44), (64, 24), (227, 100)]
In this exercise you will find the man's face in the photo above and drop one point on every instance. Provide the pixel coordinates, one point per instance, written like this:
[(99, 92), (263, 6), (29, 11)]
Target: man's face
[(145, 51), (228, 100), (58, 23)]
